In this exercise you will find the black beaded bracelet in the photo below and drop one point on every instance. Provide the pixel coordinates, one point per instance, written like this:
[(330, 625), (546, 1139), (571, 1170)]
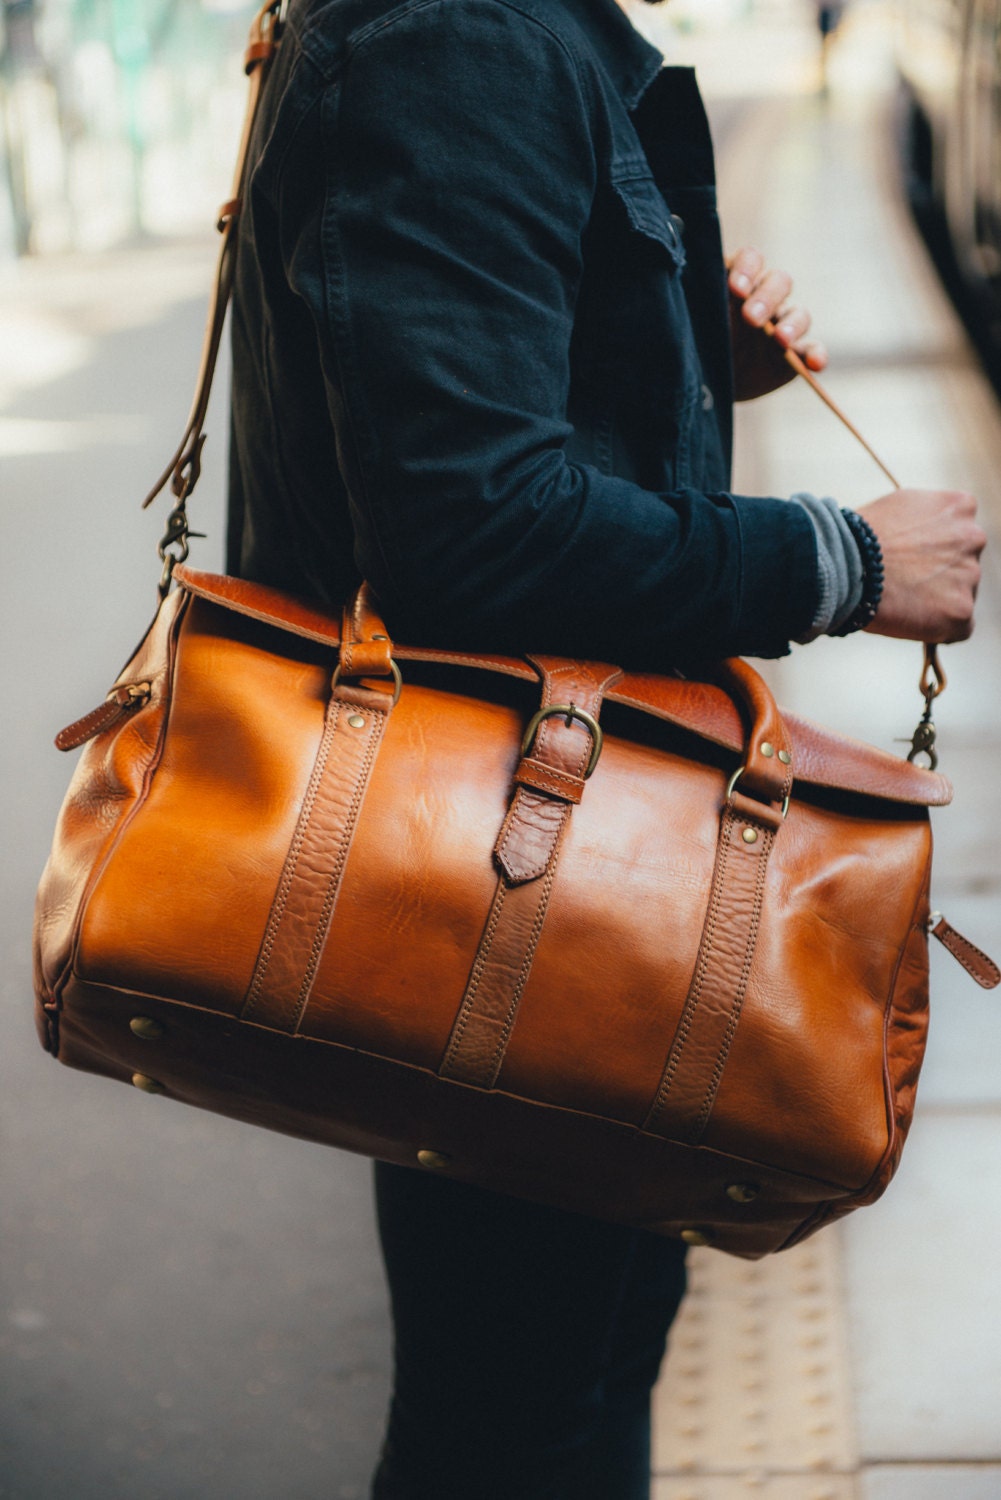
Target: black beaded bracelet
[(871, 554)]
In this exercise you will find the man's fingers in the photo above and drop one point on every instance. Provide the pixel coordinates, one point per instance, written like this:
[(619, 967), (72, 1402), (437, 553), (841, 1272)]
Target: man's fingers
[(745, 266), (766, 297)]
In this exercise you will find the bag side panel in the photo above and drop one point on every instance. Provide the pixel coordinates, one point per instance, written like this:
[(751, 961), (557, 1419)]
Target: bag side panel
[(906, 1035), (807, 1072), (107, 785), (180, 909)]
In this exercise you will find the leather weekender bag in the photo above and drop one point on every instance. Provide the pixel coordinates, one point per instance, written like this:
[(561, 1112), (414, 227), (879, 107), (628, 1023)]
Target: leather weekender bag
[(638, 946), (634, 945)]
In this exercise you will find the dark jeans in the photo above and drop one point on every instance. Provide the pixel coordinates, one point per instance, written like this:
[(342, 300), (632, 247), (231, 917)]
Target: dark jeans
[(527, 1344)]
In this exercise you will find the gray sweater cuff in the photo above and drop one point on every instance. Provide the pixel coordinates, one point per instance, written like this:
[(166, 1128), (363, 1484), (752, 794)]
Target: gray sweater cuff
[(839, 566)]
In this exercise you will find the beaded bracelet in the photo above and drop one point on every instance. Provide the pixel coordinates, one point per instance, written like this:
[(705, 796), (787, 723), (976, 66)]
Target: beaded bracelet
[(873, 577)]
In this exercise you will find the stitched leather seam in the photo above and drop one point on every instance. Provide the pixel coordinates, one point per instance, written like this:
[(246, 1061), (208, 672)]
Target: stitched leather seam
[(476, 975), (698, 980), (523, 973), (538, 868), (550, 773), (337, 871), (739, 994), (292, 860), (960, 947)]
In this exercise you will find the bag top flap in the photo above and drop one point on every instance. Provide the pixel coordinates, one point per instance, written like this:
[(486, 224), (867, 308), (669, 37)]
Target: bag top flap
[(821, 757)]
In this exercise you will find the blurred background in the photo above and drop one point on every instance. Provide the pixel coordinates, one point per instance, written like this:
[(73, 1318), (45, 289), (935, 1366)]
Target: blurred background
[(193, 1310)]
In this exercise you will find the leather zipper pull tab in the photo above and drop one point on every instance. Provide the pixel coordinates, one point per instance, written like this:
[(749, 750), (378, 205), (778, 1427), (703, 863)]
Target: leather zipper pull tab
[(119, 702), (976, 963)]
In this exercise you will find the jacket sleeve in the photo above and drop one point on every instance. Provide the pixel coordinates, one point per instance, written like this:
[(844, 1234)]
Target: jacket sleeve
[(459, 172)]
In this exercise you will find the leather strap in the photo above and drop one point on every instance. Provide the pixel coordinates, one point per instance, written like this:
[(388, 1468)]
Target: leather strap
[(366, 650), (549, 783), (932, 673), (537, 816), (976, 963), (184, 466), (694, 1068), (314, 867)]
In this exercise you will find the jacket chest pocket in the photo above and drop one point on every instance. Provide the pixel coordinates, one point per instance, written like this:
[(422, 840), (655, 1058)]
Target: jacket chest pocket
[(635, 352)]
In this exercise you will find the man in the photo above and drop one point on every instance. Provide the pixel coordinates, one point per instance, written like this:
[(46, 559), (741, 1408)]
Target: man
[(485, 349)]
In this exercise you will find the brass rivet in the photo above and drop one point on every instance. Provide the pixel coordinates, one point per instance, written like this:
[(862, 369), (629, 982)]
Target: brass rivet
[(380, 638), (148, 1085), (785, 757), (436, 1159), (743, 1192), (750, 835), (147, 1028), (356, 721), (767, 750), (696, 1236)]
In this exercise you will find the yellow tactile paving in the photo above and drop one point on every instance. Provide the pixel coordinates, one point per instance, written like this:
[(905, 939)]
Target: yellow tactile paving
[(757, 1381)]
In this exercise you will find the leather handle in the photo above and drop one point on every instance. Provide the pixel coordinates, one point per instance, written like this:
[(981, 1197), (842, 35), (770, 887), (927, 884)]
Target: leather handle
[(366, 649), (768, 771)]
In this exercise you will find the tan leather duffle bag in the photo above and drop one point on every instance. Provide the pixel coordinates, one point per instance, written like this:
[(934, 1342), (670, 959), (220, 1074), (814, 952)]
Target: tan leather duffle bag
[(634, 945), (673, 973)]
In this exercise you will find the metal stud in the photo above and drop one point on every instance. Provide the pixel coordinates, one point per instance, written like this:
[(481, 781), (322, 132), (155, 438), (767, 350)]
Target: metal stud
[(767, 750), (785, 757), (147, 1028), (435, 1159), (750, 835), (356, 721), (743, 1192), (696, 1237), (147, 1084)]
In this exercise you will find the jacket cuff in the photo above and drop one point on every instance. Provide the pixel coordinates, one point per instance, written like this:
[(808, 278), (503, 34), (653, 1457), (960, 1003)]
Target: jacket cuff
[(779, 585)]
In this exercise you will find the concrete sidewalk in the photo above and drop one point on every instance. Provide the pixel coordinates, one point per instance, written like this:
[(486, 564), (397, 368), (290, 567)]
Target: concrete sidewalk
[(866, 1364)]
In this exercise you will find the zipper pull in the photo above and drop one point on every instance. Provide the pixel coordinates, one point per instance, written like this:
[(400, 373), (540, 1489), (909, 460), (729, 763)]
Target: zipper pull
[(120, 702), (981, 968)]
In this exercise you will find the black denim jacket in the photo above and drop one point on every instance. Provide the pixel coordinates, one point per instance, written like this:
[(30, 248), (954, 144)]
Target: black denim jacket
[(481, 346)]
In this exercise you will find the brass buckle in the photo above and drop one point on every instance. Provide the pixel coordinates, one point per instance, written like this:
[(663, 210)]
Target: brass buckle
[(568, 712), (732, 784), (397, 680)]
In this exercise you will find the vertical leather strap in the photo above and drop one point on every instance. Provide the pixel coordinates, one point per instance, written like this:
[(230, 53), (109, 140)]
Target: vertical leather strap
[(314, 867), (500, 972), (527, 851), (691, 1077)]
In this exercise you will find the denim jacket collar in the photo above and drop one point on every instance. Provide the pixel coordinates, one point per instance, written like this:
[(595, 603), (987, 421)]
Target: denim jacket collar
[(628, 59)]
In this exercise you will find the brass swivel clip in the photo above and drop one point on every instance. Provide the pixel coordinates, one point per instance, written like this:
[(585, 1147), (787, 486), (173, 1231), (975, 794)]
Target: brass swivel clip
[(923, 739), (172, 547), (933, 682)]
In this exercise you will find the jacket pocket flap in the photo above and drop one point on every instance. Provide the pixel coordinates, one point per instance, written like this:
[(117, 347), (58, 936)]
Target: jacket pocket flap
[(649, 214)]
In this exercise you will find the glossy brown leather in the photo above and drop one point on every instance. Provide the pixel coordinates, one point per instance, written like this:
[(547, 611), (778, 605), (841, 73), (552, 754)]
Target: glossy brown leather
[(386, 927)]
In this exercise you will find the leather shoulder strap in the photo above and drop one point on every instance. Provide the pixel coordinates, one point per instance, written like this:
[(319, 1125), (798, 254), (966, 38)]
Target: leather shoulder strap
[(183, 469)]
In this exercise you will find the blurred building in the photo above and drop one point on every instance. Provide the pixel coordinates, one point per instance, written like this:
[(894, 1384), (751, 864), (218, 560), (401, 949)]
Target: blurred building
[(118, 118)]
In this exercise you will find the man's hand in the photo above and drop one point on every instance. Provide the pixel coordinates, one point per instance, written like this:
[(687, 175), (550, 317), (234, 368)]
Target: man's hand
[(931, 552), (757, 296)]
